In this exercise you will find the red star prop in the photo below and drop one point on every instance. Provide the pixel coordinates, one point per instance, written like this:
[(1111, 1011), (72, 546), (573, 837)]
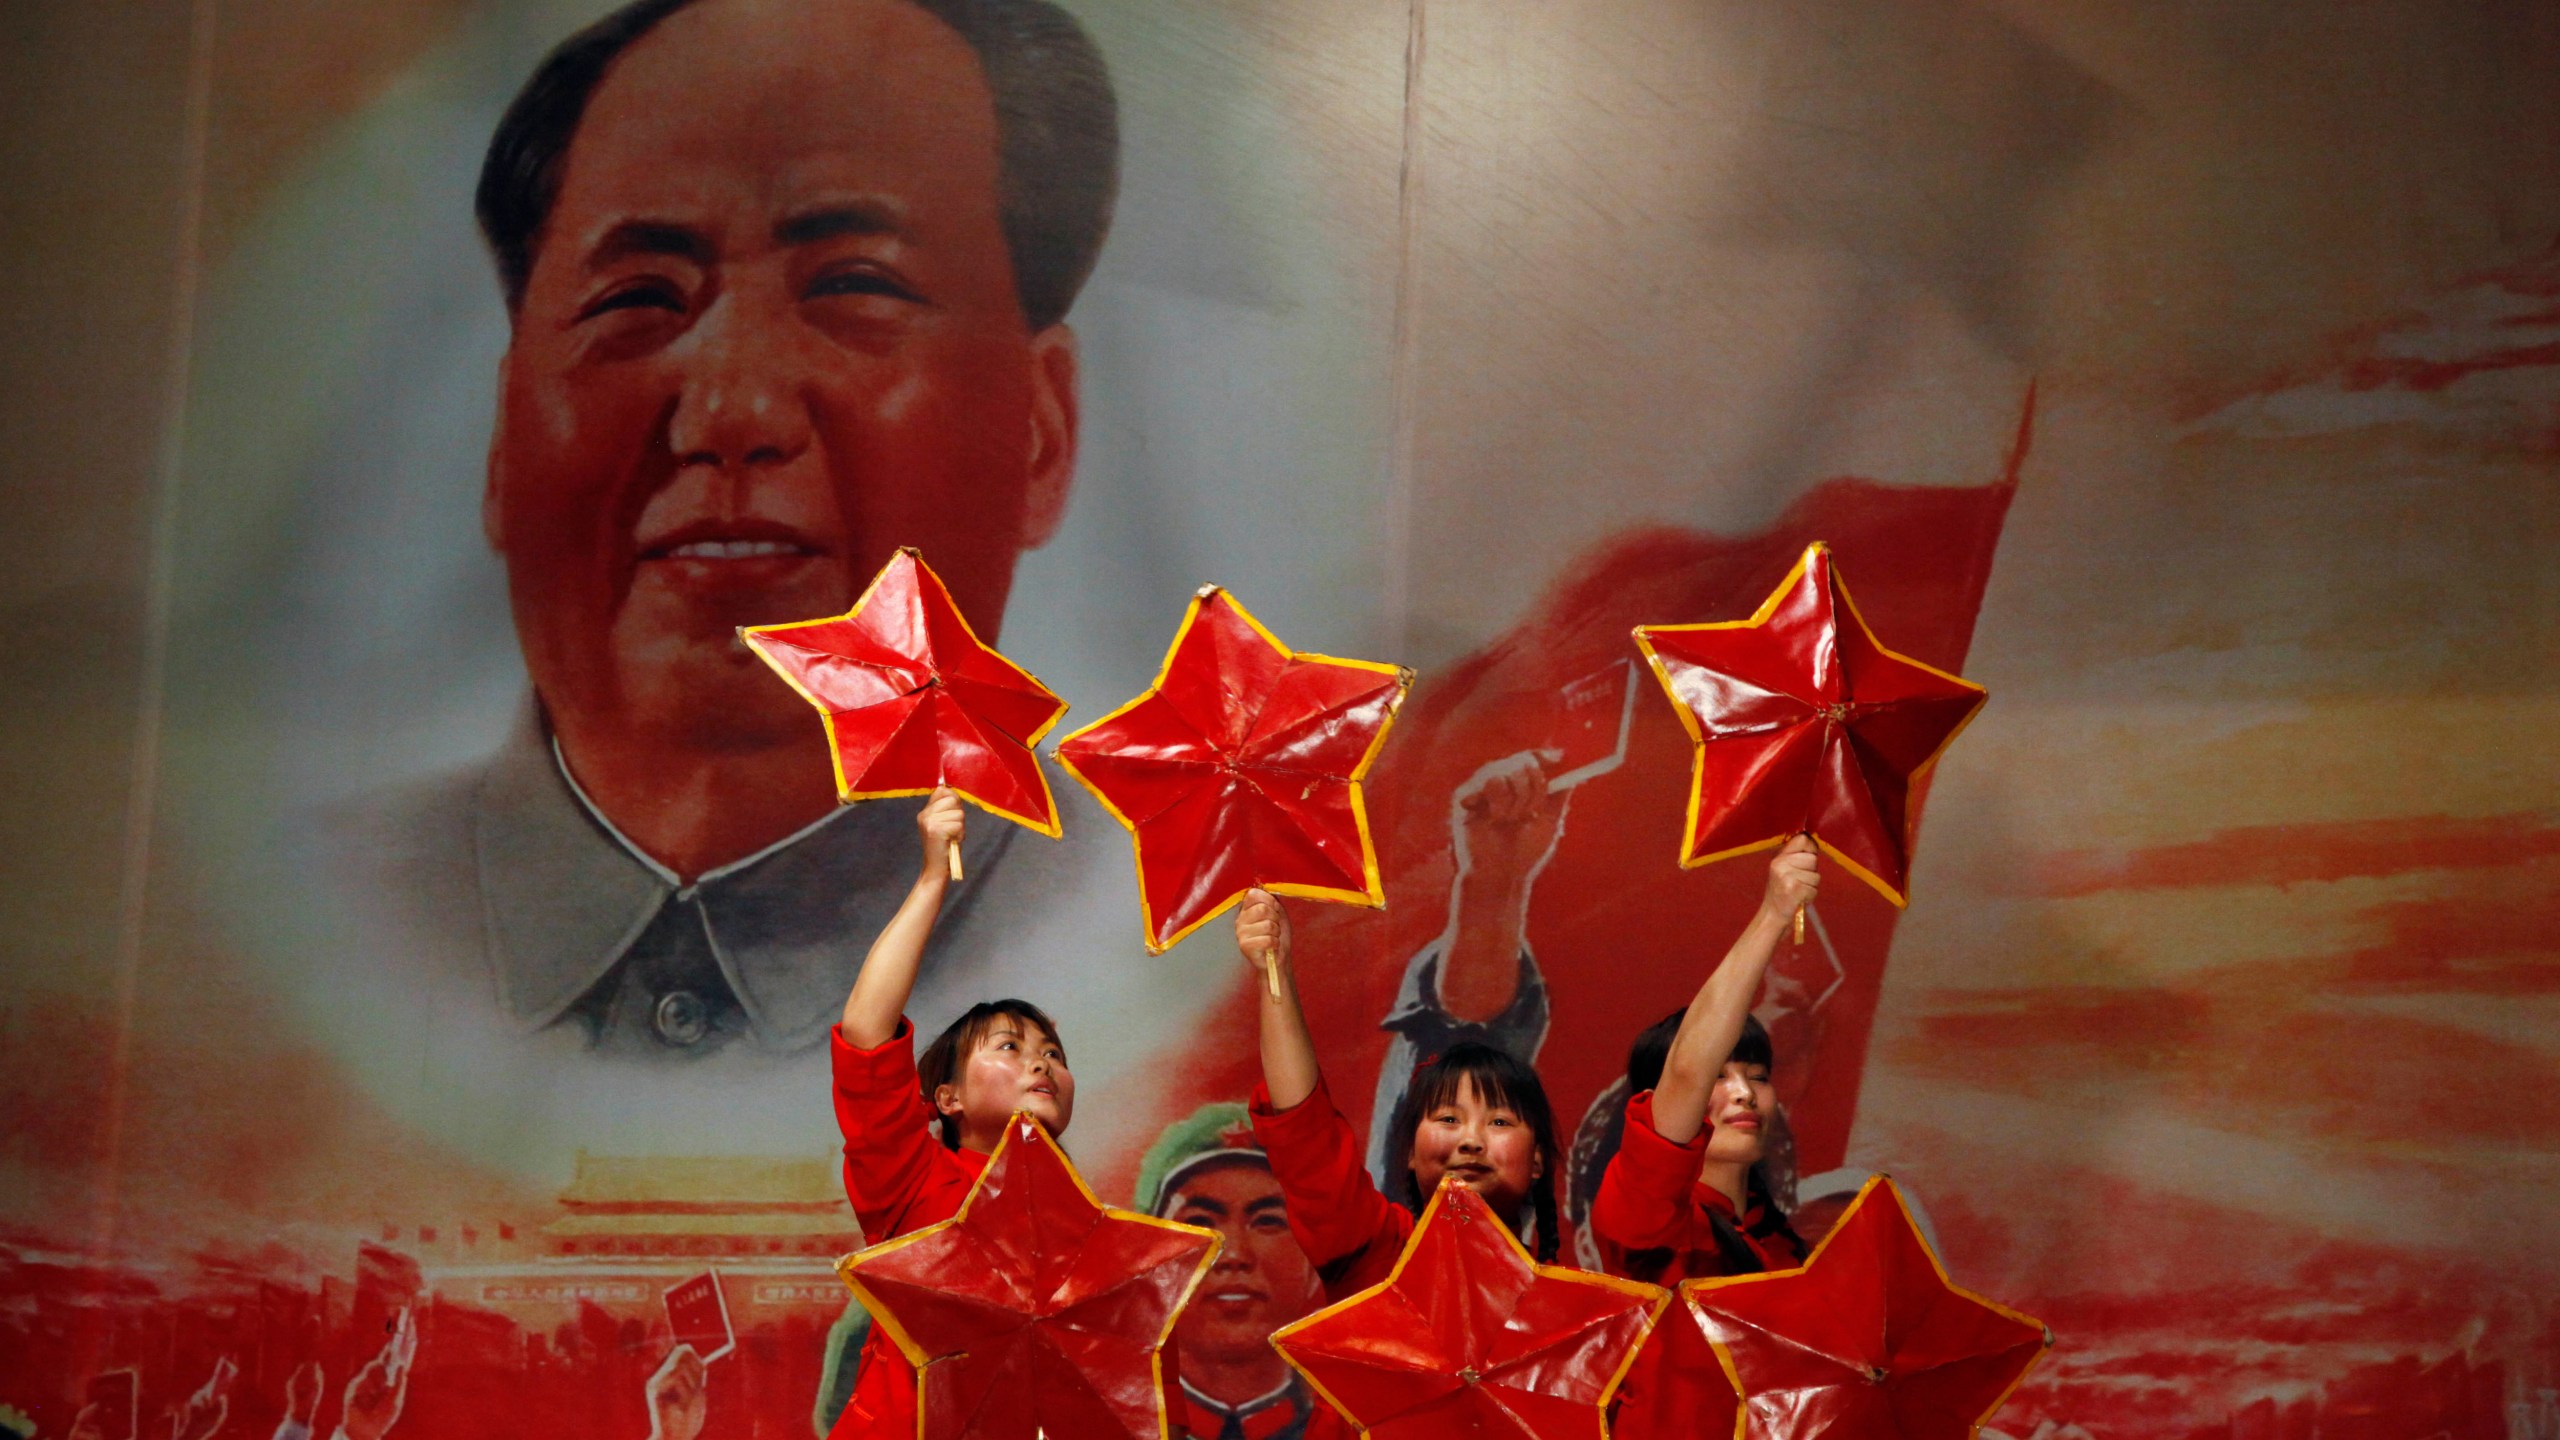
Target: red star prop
[(1867, 1338), (1037, 1309), (1469, 1336), (912, 699), (1804, 723), (1241, 767), (1677, 1389)]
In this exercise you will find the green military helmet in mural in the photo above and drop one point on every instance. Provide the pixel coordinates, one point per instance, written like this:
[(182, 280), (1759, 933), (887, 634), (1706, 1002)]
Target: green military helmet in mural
[(844, 1360), (1214, 1134)]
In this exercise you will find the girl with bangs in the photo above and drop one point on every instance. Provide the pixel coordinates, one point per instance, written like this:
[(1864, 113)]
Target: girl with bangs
[(893, 1106), (1685, 1197), (1472, 1111)]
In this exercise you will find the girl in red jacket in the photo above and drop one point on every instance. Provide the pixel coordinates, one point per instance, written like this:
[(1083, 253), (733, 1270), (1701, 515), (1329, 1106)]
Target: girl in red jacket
[(892, 1106), (1684, 1196), (1473, 1111)]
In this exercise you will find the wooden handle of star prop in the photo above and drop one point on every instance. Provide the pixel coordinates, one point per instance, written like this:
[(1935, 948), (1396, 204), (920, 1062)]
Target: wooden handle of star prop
[(1799, 920), (951, 856), (1271, 971)]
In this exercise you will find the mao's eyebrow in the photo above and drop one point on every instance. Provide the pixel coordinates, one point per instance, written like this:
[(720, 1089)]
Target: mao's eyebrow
[(650, 237), (1203, 1202), (826, 222), (1266, 1205)]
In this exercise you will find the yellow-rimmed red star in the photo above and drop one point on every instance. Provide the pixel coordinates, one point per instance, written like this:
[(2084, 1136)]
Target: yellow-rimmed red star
[(1470, 1336), (1868, 1337), (1241, 767), (1805, 723), (912, 699), (1037, 1309)]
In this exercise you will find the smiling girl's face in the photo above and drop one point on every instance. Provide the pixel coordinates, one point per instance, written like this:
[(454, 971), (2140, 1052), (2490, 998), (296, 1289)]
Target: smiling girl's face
[(1016, 1066), (1741, 1108), (1490, 1148)]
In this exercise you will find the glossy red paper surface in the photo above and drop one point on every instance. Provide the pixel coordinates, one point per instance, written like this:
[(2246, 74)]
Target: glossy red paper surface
[(1469, 1337), (1241, 767), (1678, 1389), (1869, 1338), (1804, 721), (913, 699), (1036, 1309)]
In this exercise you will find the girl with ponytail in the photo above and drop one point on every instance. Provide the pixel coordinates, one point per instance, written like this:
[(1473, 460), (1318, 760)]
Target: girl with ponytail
[(1472, 1111), (1684, 1196)]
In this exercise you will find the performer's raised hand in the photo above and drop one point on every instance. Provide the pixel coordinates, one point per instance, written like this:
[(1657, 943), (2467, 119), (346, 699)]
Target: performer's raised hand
[(1288, 1051), (1699, 1051), (888, 974), (943, 822), (679, 1396), (1795, 873), (1262, 932)]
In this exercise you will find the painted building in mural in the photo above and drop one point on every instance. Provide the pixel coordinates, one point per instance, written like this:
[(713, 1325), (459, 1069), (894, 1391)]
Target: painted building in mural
[(628, 1230)]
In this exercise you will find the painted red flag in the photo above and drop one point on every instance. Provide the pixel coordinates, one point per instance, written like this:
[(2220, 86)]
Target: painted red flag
[(1614, 930)]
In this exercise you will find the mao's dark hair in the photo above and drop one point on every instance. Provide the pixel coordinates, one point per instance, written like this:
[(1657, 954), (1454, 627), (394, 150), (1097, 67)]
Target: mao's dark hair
[(941, 1061), (1500, 1079), (1057, 129)]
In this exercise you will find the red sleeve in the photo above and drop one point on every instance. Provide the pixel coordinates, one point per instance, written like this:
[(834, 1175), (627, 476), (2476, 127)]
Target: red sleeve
[(1346, 1227), (896, 1171), (1646, 1195)]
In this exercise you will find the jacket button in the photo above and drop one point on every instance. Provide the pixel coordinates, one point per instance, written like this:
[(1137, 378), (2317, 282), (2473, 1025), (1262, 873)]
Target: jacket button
[(681, 1018)]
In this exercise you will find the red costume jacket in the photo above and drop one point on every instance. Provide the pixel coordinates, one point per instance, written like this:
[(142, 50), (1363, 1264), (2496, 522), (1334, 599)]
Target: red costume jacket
[(1352, 1234), (1655, 1219), (900, 1178)]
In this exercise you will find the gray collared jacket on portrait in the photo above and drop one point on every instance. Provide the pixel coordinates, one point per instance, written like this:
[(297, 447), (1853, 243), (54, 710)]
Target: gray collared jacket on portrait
[(506, 869)]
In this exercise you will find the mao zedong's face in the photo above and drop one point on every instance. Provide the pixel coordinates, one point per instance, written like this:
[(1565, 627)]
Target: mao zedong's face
[(770, 334)]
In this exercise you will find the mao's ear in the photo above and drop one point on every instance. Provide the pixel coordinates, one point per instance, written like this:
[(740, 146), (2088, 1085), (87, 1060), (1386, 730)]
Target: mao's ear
[(1055, 415), (493, 509)]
